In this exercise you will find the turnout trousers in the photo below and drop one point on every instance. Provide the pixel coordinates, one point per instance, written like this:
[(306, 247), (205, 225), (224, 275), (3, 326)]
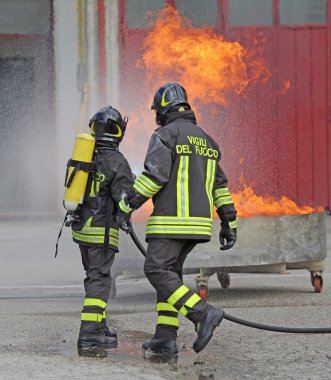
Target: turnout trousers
[(97, 282), (164, 269)]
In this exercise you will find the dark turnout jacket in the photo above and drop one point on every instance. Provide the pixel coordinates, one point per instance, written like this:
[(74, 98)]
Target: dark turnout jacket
[(183, 176), (111, 181)]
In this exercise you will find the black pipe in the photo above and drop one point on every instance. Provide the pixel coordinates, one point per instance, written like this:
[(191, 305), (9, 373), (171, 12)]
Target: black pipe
[(137, 242), (293, 330), (297, 330)]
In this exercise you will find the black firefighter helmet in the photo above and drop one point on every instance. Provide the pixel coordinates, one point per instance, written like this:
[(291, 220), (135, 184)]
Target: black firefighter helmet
[(107, 124), (168, 96)]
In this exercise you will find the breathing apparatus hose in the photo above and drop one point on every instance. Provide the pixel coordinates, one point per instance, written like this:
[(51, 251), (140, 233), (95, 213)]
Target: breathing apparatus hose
[(260, 326)]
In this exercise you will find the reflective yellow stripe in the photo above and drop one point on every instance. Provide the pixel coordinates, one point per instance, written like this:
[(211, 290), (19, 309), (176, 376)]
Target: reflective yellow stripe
[(178, 225), (186, 193), (95, 235), (183, 311), (92, 192), (196, 221), (223, 201), (91, 317), (87, 229), (98, 186), (178, 294), (146, 186), (148, 182), (171, 321), (98, 231), (179, 188), (95, 187), (233, 224), (124, 207), (163, 306), (104, 314), (142, 190), (178, 230), (95, 302), (192, 301), (210, 175), (93, 239), (182, 187), (221, 191)]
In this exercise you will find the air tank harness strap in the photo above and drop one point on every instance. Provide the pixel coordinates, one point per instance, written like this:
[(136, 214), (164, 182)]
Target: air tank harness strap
[(78, 165)]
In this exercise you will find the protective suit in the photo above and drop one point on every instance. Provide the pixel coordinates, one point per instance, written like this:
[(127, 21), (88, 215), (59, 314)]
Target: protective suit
[(95, 228), (183, 177)]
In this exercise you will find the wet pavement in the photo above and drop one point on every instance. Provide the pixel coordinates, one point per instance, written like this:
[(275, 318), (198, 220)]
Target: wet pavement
[(41, 299)]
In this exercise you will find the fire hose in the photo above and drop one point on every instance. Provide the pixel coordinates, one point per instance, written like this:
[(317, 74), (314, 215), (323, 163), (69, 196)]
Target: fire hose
[(297, 330)]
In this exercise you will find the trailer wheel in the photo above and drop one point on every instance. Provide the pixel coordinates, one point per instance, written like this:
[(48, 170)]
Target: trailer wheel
[(224, 279), (317, 281), (203, 291), (317, 284)]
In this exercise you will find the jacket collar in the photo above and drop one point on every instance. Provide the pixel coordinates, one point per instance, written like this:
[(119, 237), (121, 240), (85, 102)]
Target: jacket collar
[(172, 116)]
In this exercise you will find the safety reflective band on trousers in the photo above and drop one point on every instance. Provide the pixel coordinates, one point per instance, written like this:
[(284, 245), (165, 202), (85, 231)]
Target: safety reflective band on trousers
[(171, 321), (167, 314), (179, 294), (233, 224), (91, 317), (95, 302), (191, 302), (146, 186), (164, 306)]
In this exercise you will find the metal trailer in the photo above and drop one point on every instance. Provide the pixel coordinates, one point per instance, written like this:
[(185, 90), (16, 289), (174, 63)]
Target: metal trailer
[(266, 244)]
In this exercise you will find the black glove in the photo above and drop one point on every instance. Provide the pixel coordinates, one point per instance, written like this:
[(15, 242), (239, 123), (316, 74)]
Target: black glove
[(229, 235), (123, 220)]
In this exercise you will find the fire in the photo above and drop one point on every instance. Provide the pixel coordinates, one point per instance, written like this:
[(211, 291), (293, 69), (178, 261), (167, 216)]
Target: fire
[(249, 204), (209, 67)]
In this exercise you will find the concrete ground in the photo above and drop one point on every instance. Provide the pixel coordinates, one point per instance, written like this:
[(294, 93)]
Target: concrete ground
[(41, 298)]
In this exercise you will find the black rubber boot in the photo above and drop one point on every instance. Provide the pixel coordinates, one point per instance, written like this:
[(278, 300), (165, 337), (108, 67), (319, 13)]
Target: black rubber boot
[(108, 331), (161, 346), (210, 320), (92, 334)]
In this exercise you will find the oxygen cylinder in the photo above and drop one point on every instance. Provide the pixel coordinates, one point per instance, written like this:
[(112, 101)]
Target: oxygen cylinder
[(74, 191)]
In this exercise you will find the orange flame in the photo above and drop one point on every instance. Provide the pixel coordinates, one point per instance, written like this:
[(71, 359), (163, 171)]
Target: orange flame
[(249, 204), (209, 67)]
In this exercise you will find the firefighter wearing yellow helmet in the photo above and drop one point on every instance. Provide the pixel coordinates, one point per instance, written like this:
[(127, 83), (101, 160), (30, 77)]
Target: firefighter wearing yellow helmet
[(183, 176), (94, 226)]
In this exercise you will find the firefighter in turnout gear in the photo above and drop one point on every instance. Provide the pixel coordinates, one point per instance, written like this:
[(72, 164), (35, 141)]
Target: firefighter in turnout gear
[(183, 176), (96, 230)]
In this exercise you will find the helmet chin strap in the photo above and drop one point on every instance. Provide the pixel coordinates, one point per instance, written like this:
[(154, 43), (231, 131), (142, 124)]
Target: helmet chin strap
[(106, 142)]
